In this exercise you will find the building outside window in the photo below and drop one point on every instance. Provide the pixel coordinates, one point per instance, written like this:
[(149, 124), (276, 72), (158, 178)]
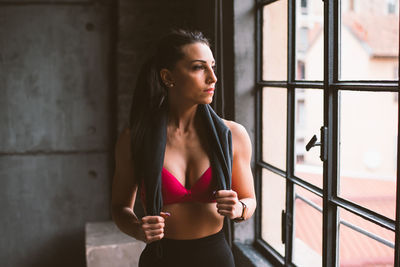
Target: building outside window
[(392, 6), (334, 204), (303, 5)]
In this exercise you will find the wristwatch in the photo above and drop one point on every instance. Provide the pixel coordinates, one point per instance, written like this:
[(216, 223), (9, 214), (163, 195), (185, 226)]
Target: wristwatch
[(244, 211)]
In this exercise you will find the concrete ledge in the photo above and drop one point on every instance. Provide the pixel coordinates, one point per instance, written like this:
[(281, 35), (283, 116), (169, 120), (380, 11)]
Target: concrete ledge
[(247, 256), (107, 246)]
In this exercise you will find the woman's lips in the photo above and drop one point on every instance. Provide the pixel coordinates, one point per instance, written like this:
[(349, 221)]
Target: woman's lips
[(210, 90)]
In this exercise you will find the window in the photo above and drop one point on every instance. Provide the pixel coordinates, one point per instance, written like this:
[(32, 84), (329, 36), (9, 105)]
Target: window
[(391, 6), (301, 70), (303, 4), (327, 164), (351, 5)]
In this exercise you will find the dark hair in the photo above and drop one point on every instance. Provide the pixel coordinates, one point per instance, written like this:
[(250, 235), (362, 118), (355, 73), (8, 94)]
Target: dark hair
[(150, 93)]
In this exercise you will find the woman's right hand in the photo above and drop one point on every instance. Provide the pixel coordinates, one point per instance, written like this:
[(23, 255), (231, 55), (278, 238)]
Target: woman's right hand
[(153, 227)]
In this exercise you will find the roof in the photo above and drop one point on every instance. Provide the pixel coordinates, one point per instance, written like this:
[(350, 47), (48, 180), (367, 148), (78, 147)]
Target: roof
[(380, 33), (356, 249)]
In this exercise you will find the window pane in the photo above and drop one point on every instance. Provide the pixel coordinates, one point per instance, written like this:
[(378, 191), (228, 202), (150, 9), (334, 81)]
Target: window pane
[(274, 112), (310, 40), (308, 229), (273, 203), (368, 149), (275, 41), (369, 45), (309, 119), (357, 249)]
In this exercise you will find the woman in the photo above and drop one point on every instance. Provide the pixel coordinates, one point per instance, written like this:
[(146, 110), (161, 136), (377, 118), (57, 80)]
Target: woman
[(193, 169)]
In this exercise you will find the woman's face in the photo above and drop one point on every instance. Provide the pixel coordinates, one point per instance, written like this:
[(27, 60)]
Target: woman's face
[(193, 76)]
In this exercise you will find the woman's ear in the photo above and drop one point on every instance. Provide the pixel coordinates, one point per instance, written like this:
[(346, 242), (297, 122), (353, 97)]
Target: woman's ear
[(166, 77)]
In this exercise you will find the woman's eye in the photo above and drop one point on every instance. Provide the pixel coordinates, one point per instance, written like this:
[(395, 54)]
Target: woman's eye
[(202, 67), (198, 67)]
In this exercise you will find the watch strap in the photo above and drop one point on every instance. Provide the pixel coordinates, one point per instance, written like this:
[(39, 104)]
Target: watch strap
[(241, 218)]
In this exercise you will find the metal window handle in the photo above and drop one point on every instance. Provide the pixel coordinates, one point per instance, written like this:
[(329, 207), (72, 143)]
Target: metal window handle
[(313, 142)]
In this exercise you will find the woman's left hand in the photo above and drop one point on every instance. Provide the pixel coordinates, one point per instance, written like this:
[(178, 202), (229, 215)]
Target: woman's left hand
[(228, 204)]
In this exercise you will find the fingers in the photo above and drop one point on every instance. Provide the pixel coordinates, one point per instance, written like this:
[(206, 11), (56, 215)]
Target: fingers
[(226, 197), (154, 235), (229, 210), (228, 203), (225, 207), (152, 219), (227, 200), (225, 194), (153, 227)]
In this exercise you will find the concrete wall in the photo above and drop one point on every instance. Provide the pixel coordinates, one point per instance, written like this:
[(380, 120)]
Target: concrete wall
[(54, 129), (141, 23), (244, 73)]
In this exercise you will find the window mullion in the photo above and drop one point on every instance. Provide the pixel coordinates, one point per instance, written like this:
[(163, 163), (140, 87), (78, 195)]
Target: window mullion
[(259, 44), (258, 112), (289, 173), (258, 154), (397, 237), (330, 211), (291, 60)]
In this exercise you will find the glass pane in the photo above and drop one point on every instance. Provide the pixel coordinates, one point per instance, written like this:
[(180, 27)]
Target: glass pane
[(307, 229), (273, 203), (274, 112), (309, 119), (275, 41), (368, 149), (369, 35), (309, 40), (357, 249)]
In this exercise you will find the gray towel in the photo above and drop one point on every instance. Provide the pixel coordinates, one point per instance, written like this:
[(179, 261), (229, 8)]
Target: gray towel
[(219, 140)]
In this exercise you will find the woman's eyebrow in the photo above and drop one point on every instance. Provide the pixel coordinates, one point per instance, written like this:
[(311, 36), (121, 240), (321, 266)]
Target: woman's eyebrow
[(202, 61)]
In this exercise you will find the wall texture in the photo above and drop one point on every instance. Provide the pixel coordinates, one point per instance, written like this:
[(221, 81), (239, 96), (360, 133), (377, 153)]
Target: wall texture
[(141, 23), (54, 129), (244, 69)]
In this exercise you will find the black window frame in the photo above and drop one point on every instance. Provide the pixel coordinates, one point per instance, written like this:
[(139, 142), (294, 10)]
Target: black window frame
[(331, 86)]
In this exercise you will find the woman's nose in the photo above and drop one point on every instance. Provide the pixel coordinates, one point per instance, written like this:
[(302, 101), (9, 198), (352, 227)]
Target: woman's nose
[(212, 78)]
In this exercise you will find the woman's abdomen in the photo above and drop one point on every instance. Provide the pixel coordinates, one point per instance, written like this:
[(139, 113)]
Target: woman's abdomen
[(192, 220)]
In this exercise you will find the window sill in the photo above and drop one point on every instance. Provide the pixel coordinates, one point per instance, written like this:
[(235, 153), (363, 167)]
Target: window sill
[(247, 256)]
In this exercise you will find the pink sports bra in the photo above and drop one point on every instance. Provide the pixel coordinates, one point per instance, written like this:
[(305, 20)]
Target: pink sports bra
[(174, 192)]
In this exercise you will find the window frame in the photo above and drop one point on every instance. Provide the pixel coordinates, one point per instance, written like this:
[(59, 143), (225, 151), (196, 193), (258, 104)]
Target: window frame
[(331, 86)]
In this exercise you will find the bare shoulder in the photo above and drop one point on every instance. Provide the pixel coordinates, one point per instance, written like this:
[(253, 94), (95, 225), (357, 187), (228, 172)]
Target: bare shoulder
[(240, 137), (237, 129)]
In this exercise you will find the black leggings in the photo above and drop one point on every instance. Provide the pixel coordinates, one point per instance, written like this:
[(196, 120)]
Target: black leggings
[(209, 251)]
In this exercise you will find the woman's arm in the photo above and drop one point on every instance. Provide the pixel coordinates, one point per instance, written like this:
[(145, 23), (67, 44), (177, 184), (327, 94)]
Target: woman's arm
[(229, 201), (124, 189)]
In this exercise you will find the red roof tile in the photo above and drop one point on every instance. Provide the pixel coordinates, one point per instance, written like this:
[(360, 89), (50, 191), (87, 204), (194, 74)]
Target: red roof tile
[(356, 249), (379, 33)]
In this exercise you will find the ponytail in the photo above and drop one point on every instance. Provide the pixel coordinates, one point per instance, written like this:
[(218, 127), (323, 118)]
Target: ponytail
[(148, 96)]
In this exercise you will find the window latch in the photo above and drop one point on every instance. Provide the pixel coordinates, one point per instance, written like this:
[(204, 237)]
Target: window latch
[(313, 142)]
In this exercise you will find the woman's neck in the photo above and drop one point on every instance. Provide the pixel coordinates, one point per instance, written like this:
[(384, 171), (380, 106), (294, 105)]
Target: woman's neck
[(182, 117)]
